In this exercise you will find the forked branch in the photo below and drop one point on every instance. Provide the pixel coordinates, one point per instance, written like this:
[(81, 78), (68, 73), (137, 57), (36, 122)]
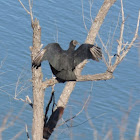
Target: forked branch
[(124, 48), (96, 77), (28, 12)]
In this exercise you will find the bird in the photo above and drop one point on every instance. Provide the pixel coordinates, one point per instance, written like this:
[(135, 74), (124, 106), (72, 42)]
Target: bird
[(63, 62)]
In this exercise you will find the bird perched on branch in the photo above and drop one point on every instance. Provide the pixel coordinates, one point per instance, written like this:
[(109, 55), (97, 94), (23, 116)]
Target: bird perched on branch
[(63, 62)]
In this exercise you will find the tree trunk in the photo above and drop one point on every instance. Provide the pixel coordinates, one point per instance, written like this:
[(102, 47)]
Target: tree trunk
[(38, 92)]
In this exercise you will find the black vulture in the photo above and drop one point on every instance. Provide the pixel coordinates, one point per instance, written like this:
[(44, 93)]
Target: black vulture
[(63, 62)]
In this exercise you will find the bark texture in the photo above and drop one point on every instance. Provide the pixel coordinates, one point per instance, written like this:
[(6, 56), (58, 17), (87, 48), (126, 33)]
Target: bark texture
[(38, 92), (99, 20)]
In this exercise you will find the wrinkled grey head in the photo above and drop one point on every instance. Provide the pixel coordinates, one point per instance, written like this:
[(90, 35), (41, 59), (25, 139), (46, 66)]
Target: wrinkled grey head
[(74, 42)]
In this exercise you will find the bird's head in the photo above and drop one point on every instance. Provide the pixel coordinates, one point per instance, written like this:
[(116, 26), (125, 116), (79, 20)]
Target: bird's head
[(73, 43)]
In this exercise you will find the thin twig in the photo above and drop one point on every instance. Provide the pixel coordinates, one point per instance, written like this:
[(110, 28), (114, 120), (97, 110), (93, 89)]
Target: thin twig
[(30, 6), (88, 120), (26, 129), (27, 100), (106, 51), (18, 135), (108, 135), (6, 124), (121, 31), (112, 40), (31, 13), (2, 62), (120, 57), (91, 4), (24, 7), (133, 40), (47, 107), (83, 16), (78, 112), (3, 127), (24, 85)]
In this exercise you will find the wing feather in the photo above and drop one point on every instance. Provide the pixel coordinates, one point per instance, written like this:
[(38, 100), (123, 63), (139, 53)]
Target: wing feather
[(52, 53), (87, 51)]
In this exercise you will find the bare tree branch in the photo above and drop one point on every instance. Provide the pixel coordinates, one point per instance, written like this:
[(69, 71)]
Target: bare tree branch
[(99, 20), (121, 32), (137, 137), (18, 135), (133, 40), (107, 52), (124, 52), (2, 62), (27, 100), (24, 7), (83, 16), (85, 104), (3, 127), (30, 6), (38, 92), (96, 77), (91, 4), (31, 13), (26, 129)]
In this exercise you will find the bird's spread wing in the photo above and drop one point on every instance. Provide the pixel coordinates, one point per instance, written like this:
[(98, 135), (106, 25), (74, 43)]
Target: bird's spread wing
[(87, 51), (38, 59), (96, 53), (52, 53)]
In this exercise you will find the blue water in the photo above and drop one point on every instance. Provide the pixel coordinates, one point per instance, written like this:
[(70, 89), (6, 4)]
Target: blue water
[(61, 22)]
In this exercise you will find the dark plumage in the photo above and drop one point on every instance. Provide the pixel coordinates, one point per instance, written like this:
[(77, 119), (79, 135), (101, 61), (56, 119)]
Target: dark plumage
[(63, 62)]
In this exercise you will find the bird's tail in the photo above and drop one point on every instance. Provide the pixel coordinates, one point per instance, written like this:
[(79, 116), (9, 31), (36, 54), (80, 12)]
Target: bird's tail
[(96, 53), (38, 59), (66, 75)]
